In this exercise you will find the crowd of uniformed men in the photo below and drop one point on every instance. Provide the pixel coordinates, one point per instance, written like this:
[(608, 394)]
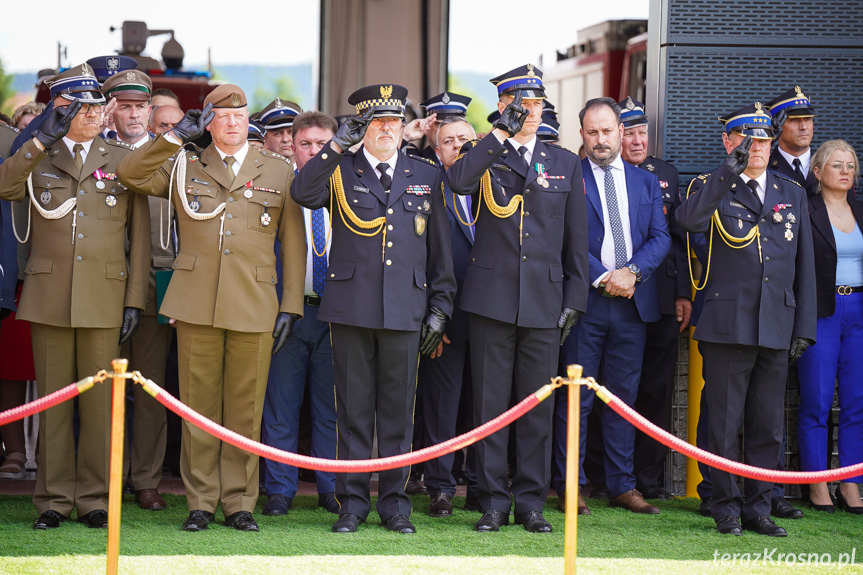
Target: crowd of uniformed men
[(292, 254)]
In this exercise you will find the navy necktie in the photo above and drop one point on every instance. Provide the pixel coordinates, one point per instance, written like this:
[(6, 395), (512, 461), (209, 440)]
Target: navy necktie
[(386, 180), (798, 171), (753, 185), (522, 151), (319, 263), (614, 219)]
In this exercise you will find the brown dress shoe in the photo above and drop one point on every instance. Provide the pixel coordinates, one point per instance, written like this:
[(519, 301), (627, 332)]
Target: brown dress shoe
[(150, 500), (583, 509), (633, 501)]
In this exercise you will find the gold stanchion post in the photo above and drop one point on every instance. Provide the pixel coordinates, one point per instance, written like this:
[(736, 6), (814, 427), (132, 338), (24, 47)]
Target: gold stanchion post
[(115, 485), (570, 541)]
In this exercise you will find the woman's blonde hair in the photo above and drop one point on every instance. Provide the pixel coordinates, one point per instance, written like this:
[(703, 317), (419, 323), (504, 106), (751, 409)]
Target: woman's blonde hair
[(823, 154)]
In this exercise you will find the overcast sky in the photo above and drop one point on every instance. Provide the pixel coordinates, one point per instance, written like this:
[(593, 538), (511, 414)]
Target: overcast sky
[(477, 40)]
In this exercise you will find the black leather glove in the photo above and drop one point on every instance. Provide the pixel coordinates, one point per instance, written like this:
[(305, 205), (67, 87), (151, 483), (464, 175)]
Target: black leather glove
[(192, 126), (285, 323), (738, 159), (131, 321), (798, 346), (432, 330), (56, 124), (351, 132), (778, 121), (568, 318), (513, 117)]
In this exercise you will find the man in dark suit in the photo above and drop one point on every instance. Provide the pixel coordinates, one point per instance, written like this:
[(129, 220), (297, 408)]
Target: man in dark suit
[(525, 287), (628, 240), (792, 116), (673, 292), (759, 308), (445, 376), (388, 294)]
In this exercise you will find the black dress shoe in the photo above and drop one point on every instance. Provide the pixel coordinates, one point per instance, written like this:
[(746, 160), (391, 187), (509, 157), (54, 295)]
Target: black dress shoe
[(824, 508), (763, 525), (276, 505), (656, 492), (242, 521), (705, 508), (328, 501), (533, 521), (842, 504), (399, 523), (492, 520), (347, 523), (198, 520), (472, 504), (49, 520), (440, 505), (415, 487), (729, 526), (779, 507), (96, 519)]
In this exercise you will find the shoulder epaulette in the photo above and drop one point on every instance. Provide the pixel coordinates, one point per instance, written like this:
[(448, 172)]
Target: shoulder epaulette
[(423, 159), (12, 128), (118, 143), (787, 179), (269, 154), (559, 147)]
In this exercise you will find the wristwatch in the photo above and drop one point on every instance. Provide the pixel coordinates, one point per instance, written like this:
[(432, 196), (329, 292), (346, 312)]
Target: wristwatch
[(635, 270)]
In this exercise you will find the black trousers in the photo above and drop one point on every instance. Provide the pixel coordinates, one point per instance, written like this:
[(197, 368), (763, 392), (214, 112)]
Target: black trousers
[(376, 378), (654, 399), (509, 362), (745, 384)]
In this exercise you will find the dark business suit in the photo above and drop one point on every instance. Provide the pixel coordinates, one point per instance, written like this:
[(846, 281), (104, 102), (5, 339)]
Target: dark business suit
[(614, 329), (375, 304), (517, 282), (442, 379), (755, 303)]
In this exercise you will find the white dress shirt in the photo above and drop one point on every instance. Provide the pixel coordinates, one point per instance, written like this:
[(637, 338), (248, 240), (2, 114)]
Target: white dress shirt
[(607, 252), (804, 159), (373, 162), (762, 184)]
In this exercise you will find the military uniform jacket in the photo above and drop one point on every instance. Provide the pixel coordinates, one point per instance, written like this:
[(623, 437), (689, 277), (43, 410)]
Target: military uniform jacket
[(750, 301), (375, 286), (230, 287), (525, 280), (86, 283), (8, 243), (672, 276), (778, 163)]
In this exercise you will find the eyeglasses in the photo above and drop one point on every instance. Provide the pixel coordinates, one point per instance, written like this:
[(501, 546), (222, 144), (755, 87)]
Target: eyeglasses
[(87, 108), (838, 166)]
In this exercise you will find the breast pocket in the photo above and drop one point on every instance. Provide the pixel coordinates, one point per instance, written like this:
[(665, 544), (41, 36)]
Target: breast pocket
[(50, 193), (738, 221), (263, 212), (111, 202), (554, 198)]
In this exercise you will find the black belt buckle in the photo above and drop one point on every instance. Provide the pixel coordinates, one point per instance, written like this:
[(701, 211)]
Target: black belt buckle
[(312, 300)]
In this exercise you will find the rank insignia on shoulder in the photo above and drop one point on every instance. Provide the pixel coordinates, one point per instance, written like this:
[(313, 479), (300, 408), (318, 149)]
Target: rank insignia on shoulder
[(650, 167), (424, 159), (418, 189)]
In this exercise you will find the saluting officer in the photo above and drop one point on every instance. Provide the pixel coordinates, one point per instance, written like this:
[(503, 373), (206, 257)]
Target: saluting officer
[(82, 294), (759, 309), (525, 287), (793, 123), (231, 203), (388, 293)]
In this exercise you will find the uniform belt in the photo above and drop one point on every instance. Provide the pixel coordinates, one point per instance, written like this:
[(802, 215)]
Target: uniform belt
[(312, 300), (848, 290)]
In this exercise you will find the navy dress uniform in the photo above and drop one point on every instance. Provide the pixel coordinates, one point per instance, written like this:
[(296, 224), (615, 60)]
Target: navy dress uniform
[(759, 302), (87, 269), (795, 105), (390, 262), (528, 262), (442, 106)]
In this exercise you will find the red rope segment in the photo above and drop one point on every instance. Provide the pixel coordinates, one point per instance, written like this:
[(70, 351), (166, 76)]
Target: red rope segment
[(721, 463), (342, 466), (40, 404)]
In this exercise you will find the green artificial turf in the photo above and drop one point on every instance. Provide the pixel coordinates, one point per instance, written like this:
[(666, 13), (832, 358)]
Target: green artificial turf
[(610, 541)]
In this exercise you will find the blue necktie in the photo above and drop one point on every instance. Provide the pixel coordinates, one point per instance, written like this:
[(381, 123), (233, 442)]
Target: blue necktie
[(467, 204), (614, 219), (319, 263)]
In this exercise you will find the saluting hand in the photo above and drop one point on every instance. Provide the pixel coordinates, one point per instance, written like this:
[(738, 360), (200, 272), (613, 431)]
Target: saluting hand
[(778, 121), (513, 117), (193, 124), (351, 132), (738, 159), (56, 124)]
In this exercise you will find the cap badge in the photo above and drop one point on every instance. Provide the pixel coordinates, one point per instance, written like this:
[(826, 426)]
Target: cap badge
[(386, 92), (84, 70), (757, 107), (278, 103), (445, 98), (235, 100), (131, 76), (530, 71), (630, 105), (113, 64), (799, 92)]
